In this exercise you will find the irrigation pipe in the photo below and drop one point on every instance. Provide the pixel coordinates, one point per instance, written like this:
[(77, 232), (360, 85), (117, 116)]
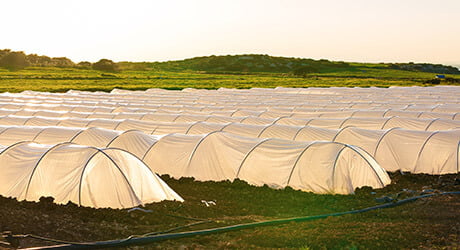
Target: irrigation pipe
[(169, 236)]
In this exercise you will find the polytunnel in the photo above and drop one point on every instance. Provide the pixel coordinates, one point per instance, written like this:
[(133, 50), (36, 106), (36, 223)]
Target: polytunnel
[(73, 173), (132, 141), (374, 123), (223, 156), (435, 152), (366, 114), (431, 152), (320, 167)]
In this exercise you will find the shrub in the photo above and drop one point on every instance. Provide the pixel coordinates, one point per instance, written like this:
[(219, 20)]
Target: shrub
[(84, 65), (106, 65), (14, 61)]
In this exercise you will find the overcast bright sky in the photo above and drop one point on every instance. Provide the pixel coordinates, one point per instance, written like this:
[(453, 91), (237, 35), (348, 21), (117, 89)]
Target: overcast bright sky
[(143, 30)]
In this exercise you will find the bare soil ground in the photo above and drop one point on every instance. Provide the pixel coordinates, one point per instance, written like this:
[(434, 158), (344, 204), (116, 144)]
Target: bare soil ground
[(426, 223)]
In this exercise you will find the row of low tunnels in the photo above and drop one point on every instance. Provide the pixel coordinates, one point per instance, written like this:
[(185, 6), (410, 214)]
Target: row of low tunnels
[(185, 105), (238, 113), (431, 152), (429, 124), (245, 96), (435, 111)]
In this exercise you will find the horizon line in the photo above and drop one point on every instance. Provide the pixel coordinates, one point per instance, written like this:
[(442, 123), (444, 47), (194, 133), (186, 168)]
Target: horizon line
[(454, 64)]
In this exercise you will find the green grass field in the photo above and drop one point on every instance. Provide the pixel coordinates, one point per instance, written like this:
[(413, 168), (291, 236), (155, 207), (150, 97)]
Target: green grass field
[(63, 79)]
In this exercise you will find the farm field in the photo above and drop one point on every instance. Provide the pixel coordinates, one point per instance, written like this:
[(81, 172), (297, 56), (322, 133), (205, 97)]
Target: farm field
[(425, 223), (63, 79), (230, 125)]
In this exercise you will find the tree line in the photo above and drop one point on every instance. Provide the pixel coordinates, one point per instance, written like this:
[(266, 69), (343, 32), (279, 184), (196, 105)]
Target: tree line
[(425, 67), (17, 60)]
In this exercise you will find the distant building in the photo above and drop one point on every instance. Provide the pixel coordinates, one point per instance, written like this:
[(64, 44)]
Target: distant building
[(440, 76)]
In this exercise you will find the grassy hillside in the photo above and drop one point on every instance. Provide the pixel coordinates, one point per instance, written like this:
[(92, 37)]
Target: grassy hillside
[(252, 63), (295, 66)]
